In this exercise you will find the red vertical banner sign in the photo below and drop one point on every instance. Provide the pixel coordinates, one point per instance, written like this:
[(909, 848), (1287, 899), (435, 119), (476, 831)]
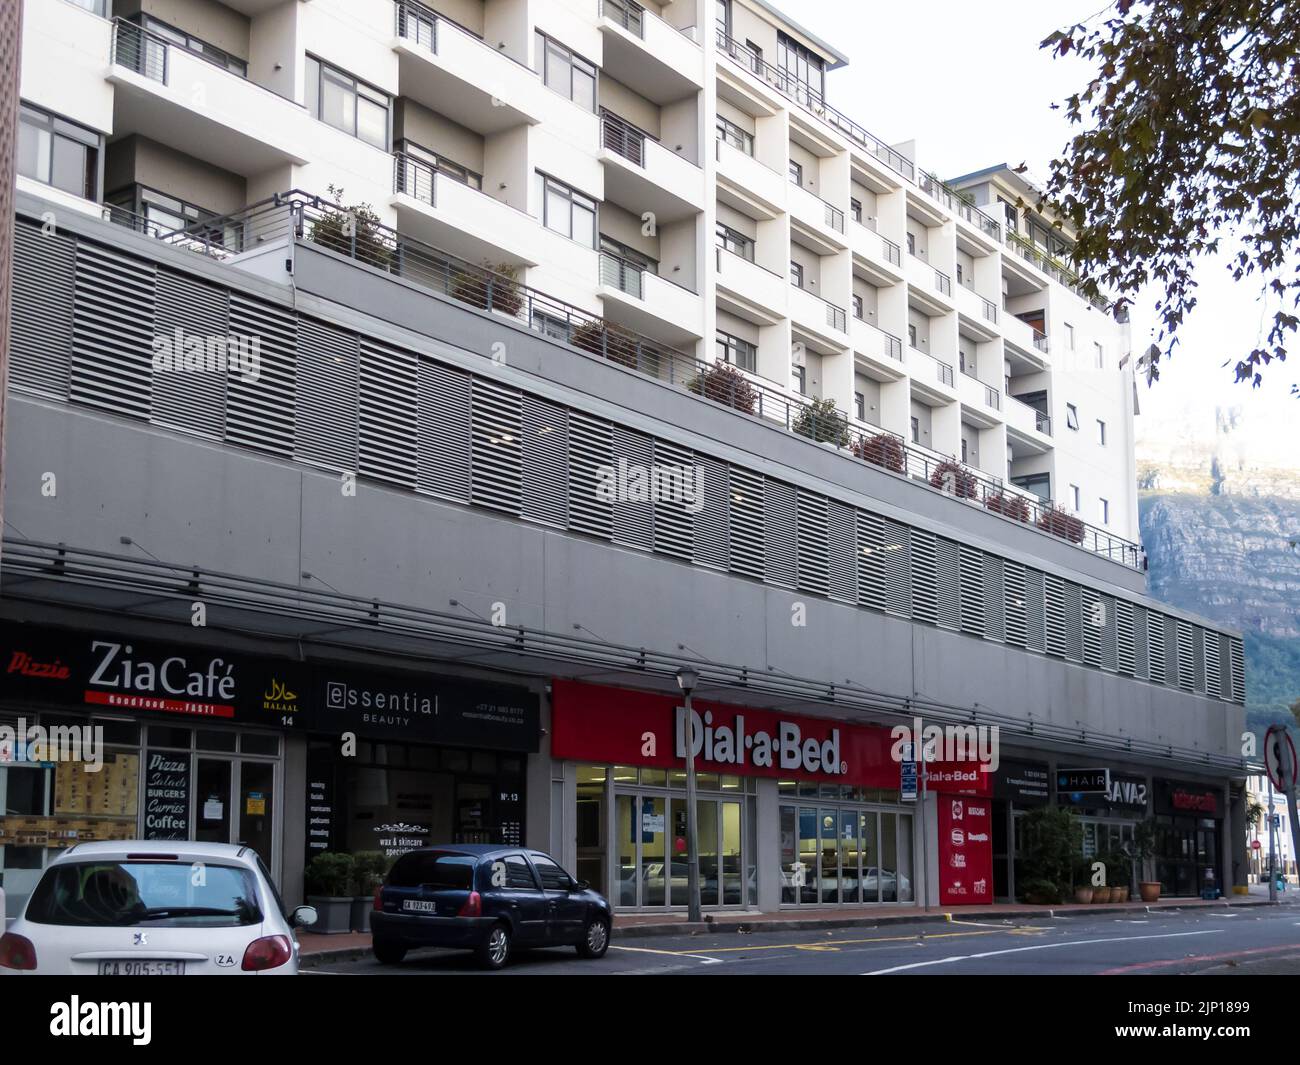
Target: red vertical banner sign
[(965, 850)]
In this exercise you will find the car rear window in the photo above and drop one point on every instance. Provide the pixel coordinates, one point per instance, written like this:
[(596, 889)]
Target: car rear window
[(435, 869), (148, 894)]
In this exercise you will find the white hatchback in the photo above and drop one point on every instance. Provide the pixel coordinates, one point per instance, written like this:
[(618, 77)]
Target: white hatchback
[(137, 908)]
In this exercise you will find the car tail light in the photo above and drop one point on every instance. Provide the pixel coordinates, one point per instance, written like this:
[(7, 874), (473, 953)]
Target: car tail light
[(269, 952), (16, 952), (379, 898), (473, 906)]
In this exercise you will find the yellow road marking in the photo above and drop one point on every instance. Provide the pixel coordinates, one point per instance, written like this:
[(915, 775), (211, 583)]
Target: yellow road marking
[(825, 944)]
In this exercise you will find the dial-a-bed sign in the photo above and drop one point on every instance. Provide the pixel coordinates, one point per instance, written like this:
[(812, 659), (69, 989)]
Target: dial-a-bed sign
[(617, 726)]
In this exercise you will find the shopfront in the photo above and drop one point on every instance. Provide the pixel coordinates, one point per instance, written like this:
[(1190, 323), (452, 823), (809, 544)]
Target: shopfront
[(1019, 787), (401, 760), (793, 809), (1189, 826), (109, 737), (1109, 819)]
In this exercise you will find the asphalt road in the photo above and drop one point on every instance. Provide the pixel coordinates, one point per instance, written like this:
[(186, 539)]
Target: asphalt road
[(1238, 940)]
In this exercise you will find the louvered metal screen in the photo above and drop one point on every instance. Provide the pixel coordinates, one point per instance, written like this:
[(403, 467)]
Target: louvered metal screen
[(389, 414), (544, 462), (44, 286), (188, 391), (112, 331)]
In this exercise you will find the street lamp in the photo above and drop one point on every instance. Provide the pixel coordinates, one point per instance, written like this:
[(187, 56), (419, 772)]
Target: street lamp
[(687, 679)]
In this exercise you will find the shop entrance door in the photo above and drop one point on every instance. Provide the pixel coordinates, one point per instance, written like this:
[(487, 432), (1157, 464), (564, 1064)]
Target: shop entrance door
[(234, 803), (653, 870)]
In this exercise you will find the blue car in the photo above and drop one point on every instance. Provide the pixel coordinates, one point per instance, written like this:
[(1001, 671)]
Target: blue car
[(485, 898)]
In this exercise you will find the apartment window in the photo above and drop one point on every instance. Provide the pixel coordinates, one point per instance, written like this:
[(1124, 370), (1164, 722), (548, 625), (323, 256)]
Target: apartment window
[(736, 351), (860, 406), (551, 326), (1039, 484), (916, 429), (57, 152), (857, 306), (735, 242), (735, 136), (200, 48), (855, 210), (722, 11), (435, 164), (961, 279), (1105, 511), (796, 173), (95, 7), (567, 72), (807, 70), (800, 377), (1100, 355), (633, 260), (961, 360), (963, 450), (796, 274), (148, 210), (1101, 432), (911, 244), (568, 211), (1072, 417), (911, 334), (1011, 215), (1069, 336), (1074, 497), (340, 100)]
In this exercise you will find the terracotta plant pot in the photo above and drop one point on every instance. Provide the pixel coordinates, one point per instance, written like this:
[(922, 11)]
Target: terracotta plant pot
[(1101, 894), (1083, 895), (1119, 894), (1150, 890)]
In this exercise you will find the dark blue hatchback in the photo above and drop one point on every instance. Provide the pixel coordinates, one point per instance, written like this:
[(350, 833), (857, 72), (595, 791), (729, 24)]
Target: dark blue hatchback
[(488, 899)]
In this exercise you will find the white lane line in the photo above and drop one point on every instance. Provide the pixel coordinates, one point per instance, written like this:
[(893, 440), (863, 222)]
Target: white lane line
[(669, 953), (1036, 946)]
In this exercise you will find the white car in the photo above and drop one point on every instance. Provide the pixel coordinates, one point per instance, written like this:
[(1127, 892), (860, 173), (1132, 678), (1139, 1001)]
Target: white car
[(137, 908)]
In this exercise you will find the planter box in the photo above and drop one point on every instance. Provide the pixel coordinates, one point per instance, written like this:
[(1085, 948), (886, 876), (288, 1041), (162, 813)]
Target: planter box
[(333, 914)]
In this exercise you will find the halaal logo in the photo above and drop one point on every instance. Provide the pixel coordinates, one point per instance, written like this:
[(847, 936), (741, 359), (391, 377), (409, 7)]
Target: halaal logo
[(280, 700)]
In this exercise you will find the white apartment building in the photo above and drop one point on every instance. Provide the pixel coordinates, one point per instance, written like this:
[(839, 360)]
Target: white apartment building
[(675, 169)]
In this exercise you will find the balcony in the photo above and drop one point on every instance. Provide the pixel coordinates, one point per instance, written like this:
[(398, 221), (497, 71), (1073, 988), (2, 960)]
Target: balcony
[(931, 288), (455, 216), (879, 256), (647, 303), (883, 350), (172, 95), (642, 175), (447, 68), (648, 55), (822, 223), (979, 397), (747, 185), (980, 315), (750, 291), (1027, 419), (932, 378), (960, 205), (1053, 268), (822, 323)]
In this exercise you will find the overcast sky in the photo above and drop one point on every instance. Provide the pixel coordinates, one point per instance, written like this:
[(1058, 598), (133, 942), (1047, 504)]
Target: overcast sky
[(970, 85)]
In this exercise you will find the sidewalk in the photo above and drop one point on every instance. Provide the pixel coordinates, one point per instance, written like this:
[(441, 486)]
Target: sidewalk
[(320, 948)]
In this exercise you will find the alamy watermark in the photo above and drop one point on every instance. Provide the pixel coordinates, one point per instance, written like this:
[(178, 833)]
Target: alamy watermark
[(184, 352), (947, 743), (59, 743), (630, 482)]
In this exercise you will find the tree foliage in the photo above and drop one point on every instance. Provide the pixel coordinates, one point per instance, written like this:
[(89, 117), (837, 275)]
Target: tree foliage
[(1189, 145)]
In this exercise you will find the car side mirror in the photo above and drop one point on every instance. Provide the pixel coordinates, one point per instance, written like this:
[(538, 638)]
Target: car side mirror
[(578, 885), (303, 917)]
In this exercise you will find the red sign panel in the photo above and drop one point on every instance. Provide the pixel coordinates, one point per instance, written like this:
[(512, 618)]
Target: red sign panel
[(591, 723), (965, 850)]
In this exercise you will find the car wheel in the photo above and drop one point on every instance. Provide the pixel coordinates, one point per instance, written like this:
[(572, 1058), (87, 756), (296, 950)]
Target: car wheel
[(388, 953), (595, 938), (494, 951)]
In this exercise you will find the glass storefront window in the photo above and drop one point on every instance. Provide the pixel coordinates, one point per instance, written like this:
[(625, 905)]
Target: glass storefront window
[(656, 778), (214, 740), (624, 774)]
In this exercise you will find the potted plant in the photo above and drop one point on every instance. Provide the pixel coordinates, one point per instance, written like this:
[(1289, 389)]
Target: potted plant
[(368, 869), (1041, 893), (884, 450), (955, 479), (355, 231), (489, 288), (1101, 894), (820, 420), (609, 341), (1058, 522), (726, 385), (329, 889), (1008, 505), (1144, 847), (1053, 842)]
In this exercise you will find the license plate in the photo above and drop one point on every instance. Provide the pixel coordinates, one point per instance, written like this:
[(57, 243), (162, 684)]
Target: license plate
[(418, 906), (141, 968)]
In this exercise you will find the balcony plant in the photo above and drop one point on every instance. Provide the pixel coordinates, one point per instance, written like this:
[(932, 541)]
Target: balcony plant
[(354, 231), (882, 450), (609, 341), (489, 288), (726, 385), (329, 879), (955, 479), (1008, 505), (368, 869), (820, 420), (1053, 843), (1058, 522)]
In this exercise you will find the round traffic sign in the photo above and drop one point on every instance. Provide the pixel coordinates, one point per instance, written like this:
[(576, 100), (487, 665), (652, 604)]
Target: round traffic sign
[(1280, 758)]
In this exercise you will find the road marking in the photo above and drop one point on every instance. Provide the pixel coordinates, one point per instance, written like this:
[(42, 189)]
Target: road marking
[(1194, 959), (820, 945), (670, 953), (1036, 946)]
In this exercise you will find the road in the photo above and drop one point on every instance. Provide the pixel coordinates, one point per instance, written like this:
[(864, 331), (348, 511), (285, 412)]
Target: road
[(1237, 940)]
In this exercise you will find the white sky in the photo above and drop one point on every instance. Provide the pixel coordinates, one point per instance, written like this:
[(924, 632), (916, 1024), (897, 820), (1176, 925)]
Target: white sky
[(970, 85)]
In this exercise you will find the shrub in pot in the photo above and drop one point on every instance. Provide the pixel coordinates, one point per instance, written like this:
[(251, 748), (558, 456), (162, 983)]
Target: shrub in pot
[(955, 479), (726, 385), (1083, 894), (1059, 522), (609, 341), (1009, 506), (1053, 842), (884, 450), (329, 879), (355, 231), (1119, 893), (1101, 894), (494, 288), (820, 420), (1144, 846), (1041, 892), (368, 869)]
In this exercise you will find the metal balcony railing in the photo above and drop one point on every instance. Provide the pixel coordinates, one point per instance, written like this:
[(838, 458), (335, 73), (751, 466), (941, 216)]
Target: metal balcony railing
[(626, 275), (893, 253), (992, 397), (334, 228), (1040, 341), (990, 310), (416, 178), (627, 13), (943, 282), (959, 204), (814, 103), (1054, 269), (944, 371), (138, 49), (621, 137)]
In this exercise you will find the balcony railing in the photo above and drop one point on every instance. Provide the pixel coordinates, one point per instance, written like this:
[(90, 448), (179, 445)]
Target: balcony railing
[(621, 137), (893, 252), (310, 220), (943, 282), (893, 345), (813, 102), (627, 13), (990, 310), (626, 275), (138, 49), (992, 397), (415, 178), (1042, 422), (959, 204), (1040, 341), (1057, 271), (944, 371)]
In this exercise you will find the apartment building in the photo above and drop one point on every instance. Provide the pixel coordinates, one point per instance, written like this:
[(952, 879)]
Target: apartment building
[(446, 272)]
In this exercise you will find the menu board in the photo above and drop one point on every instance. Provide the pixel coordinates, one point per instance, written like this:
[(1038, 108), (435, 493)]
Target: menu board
[(166, 795)]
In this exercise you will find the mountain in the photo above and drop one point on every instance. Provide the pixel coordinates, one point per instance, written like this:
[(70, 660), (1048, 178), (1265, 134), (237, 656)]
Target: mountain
[(1219, 508)]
